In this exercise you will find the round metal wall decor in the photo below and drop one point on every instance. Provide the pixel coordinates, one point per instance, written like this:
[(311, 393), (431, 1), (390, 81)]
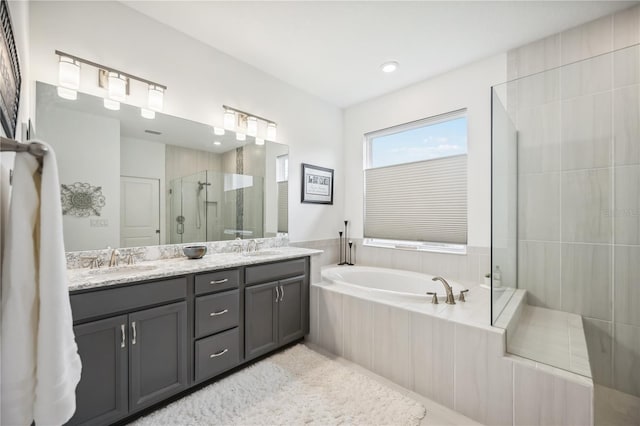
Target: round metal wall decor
[(81, 199)]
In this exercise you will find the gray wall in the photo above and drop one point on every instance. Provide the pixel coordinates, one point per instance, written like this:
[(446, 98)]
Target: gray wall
[(579, 174)]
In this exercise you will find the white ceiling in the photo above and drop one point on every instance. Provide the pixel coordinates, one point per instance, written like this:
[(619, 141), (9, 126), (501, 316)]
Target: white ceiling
[(334, 49)]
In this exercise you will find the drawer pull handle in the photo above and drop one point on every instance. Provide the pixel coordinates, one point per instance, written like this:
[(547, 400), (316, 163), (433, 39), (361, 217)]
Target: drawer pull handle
[(277, 294), (135, 334), (282, 293), (219, 281), (219, 354), (123, 342), (215, 314)]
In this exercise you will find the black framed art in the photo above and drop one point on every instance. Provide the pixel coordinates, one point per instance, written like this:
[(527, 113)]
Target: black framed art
[(317, 184), (9, 74)]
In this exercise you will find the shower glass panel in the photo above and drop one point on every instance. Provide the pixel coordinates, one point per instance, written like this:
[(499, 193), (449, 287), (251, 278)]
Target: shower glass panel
[(213, 206), (566, 216)]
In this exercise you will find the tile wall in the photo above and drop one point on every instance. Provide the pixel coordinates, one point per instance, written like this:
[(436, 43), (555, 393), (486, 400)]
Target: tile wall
[(579, 174)]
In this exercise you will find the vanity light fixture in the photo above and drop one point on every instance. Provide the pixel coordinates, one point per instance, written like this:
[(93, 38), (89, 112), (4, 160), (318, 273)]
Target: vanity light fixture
[(388, 67), (111, 104), (147, 113), (272, 132), (155, 100), (229, 120), (259, 141), (218, 131), (241, 136), (116, 83), (117, 87), (252, 126), (235, 119)]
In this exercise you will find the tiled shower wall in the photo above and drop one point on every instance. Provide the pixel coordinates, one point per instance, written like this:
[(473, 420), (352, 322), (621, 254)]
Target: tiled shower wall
[(579, 177)]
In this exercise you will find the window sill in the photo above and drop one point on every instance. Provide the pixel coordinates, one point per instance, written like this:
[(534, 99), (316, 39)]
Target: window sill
[(416, 246)]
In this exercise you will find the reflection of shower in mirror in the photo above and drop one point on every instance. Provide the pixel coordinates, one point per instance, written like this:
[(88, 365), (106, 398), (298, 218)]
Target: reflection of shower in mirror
[(200, 203)]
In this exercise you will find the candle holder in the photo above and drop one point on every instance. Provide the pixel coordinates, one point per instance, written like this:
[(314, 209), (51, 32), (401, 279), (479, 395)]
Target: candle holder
[(350, 258), (340, 261), (346, 239)]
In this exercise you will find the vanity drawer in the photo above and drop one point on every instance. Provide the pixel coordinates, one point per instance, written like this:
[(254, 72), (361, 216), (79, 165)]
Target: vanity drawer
[(274, 271), (217, 312), (217, 281), (216, 354), (110, 301)]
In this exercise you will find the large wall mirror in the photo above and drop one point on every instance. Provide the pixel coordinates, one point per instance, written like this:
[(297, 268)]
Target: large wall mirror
[(128, 181)]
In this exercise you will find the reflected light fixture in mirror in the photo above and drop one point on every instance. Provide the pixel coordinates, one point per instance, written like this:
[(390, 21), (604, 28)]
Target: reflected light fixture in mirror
[(241, 136), (259, 141), (147, 113), (218, 131), (111, 104), (217, 143), (117, 87), (65, 93), (229, 120)]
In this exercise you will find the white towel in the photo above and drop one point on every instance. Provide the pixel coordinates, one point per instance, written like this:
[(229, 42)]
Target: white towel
[(40, 362)]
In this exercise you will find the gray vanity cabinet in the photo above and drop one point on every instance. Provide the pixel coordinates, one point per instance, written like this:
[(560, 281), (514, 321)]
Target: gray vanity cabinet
[(157, 354), (261, 319), (276, 311), (101, 395)]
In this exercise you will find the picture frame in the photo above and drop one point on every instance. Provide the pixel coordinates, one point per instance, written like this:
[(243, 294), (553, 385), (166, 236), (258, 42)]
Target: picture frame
[(317, 185), (10, 78)]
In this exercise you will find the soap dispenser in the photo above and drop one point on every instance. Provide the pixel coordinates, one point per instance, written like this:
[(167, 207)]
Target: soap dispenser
[(497, 277)]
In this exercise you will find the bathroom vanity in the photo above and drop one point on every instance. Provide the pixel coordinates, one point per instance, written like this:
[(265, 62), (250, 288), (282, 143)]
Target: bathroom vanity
[(146, 341)]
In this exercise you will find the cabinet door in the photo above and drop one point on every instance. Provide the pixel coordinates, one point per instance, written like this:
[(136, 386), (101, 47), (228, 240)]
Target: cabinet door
[(261, 319), (157, 354), (291, 309), (101, 395)]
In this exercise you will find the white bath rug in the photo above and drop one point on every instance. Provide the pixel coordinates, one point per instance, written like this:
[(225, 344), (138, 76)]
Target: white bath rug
[(297, 386)]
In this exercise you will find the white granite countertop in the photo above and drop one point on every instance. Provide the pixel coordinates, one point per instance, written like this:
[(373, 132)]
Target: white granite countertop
[(82, 279)]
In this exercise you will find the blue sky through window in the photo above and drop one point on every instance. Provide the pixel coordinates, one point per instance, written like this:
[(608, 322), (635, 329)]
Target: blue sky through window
[(423, 143)]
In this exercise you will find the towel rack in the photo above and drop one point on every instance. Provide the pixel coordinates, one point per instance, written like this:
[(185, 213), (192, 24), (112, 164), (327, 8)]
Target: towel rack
[(36, 149)]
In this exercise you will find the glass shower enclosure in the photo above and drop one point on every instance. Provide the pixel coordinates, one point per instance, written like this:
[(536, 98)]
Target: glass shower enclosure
[(566, 212)]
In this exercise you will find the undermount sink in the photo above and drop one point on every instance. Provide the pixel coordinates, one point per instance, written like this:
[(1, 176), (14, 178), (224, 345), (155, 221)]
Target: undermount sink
[(121, 269), (263, 253)]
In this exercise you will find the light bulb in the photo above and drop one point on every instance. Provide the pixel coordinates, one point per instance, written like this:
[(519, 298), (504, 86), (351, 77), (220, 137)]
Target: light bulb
[(218, 131), (155, 99), (229, 120), (69, 73), (111, 104), (117, 87), (147, 113), (252, 126), (241, 136), (259, 141), (272, 132), (65, 93)]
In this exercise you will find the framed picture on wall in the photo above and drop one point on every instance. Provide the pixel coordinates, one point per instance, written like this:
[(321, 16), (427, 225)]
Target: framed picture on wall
[(9, 74), (317, 184)]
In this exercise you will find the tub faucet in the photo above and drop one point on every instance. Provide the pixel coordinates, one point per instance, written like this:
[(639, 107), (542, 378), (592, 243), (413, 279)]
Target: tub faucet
[(450, 299)]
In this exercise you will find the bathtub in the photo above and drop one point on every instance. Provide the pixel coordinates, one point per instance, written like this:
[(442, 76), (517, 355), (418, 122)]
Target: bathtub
[(411, 285)]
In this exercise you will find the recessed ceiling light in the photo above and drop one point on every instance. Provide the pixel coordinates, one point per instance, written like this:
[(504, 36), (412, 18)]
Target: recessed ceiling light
[(388, 67), (217, 143)]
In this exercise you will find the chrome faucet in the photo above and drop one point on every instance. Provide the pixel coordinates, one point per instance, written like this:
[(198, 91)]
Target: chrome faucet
[(450, 299), (252, 243), (113, 260)]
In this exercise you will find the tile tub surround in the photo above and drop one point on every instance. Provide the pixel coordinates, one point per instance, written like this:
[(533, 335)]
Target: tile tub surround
[(82, 279), (448, 354), (79, 259)]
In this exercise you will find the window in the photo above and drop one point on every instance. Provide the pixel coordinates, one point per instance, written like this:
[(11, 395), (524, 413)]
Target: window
[(416, 185)]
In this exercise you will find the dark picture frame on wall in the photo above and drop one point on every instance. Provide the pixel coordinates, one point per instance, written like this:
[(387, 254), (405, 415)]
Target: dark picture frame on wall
[(10, 78), (317, 184)]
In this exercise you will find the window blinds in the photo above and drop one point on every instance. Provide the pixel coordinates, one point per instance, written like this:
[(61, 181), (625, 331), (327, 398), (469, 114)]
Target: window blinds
[(421, 201), (283, 206)]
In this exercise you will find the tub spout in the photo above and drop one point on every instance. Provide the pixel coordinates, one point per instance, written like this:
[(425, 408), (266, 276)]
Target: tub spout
[(450, 299)]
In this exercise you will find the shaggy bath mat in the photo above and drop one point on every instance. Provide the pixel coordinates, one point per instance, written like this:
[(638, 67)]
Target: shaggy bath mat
[(297, 386)]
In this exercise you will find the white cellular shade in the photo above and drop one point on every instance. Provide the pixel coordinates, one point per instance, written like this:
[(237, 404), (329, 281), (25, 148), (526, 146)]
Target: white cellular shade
[(283, 206), (421, 201)]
